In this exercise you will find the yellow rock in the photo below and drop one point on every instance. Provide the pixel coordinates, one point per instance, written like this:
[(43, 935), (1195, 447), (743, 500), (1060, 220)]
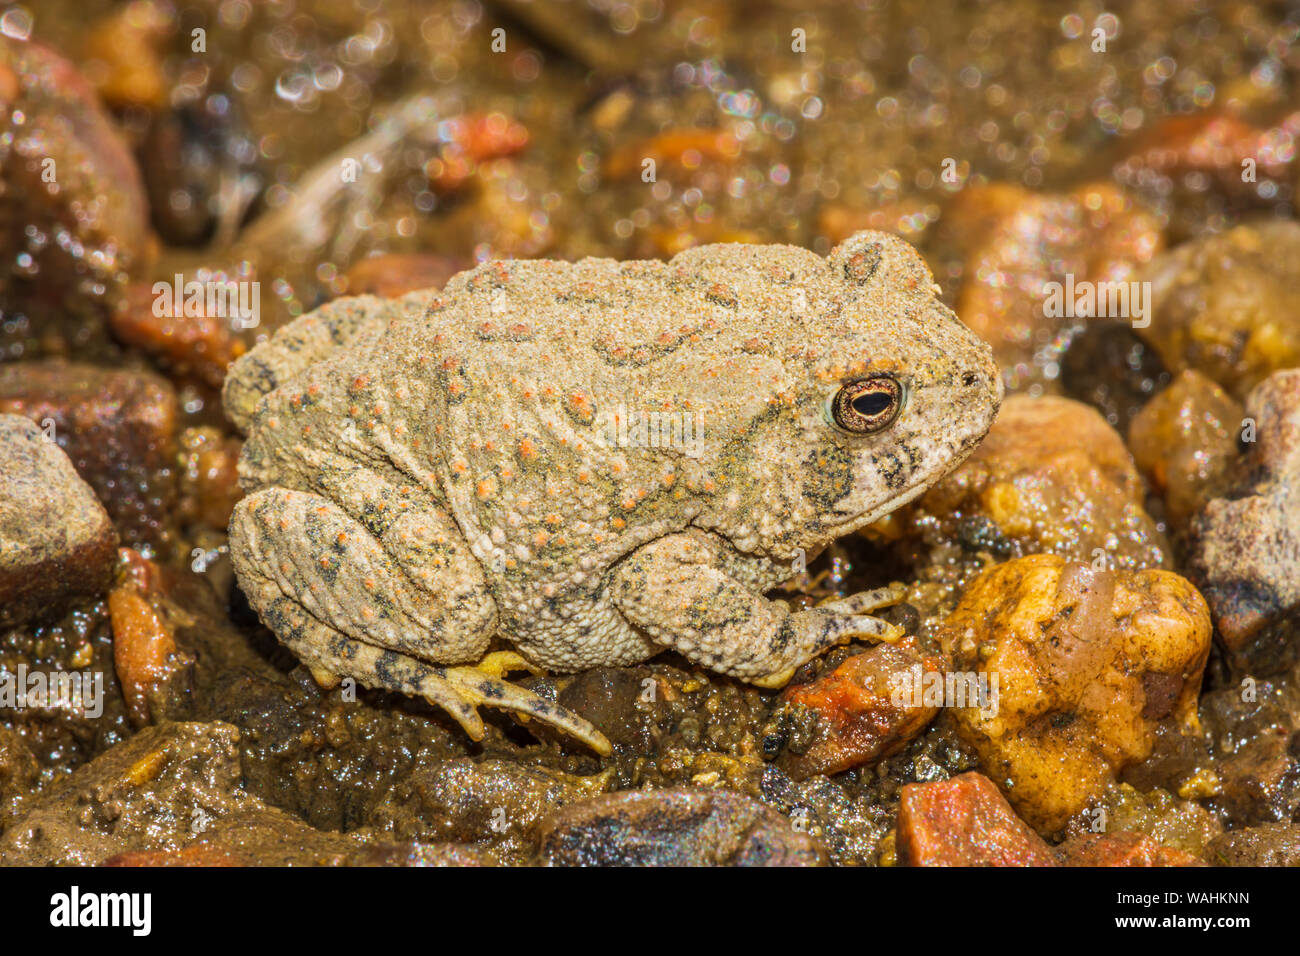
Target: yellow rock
[(1088, 664)]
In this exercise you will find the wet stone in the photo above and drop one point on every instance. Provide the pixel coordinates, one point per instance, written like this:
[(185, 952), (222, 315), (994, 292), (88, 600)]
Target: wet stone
[(193, 348), (496, 804), (1245, 547), (857, 713), (155, 791), (394, 274), (1124, 848), (56, 541), (1226, 305), (1088, 664), (674, 827), (965, 821), (1005, 246), (1108, 366), (1170, 821), (1252, 726), (119, 429), (1190, 167), (65, 172), (1185, 442), (624, 703), (1051, 476)]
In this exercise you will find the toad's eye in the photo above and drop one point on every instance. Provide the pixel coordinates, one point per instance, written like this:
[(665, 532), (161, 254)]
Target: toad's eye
[(867, 405)]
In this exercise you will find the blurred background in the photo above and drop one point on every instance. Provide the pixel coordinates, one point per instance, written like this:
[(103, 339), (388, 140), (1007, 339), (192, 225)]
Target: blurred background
[(210, 135)]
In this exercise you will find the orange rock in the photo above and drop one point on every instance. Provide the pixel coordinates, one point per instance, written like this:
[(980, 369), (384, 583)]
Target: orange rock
[(1011, 242), (965, 821), (197, 855), (10, 88), (1211, 143), (144, 648), (1122, 849), (1090, 664), (475, 139), (396, 274), (140, 573), (201, 346), (683, 148), (857, 714), (1051, 476), (1185, 441)]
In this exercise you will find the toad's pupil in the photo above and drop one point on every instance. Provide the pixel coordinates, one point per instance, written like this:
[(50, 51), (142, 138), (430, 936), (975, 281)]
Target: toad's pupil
[(872, 403)]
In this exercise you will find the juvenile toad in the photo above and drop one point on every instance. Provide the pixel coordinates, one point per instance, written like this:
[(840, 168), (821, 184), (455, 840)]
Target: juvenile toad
[(555, 465)]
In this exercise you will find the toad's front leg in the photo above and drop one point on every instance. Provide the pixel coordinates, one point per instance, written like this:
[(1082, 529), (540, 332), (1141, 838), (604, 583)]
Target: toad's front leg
[(677, 590)]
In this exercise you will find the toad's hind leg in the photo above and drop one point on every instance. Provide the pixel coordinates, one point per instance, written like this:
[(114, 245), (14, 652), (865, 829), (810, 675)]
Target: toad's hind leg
[(334, 596), (457, 690)]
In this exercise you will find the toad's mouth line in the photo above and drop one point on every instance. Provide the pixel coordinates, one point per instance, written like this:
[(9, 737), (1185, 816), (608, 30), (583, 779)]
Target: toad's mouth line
[(893, 504), (906, 496)]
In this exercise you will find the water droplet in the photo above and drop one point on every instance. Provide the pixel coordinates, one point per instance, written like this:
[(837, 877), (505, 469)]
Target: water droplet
[(16, 22)]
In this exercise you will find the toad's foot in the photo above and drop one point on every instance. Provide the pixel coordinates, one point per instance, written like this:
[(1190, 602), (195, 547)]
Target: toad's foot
[(864, 602), (501, 663), (858, 607), (457, 690)]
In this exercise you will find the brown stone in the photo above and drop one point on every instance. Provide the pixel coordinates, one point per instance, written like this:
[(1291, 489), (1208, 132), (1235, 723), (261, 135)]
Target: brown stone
[(856, 709), (119, 429), (1122, 849), (1226, 304), (1050, 476), (1185, 442), (1245, 549), (1089, 664), (74, 214), (965, 821), (1009, 242), (681, 827), (56, 542)]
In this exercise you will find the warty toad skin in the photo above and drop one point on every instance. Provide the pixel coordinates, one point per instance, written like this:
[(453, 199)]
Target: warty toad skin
[(592, 462)]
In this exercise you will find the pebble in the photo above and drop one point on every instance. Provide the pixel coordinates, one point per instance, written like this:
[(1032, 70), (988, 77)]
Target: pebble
[(1245, 547), (196, 347), (858, 710), (74, 210), (674, 827), (964, 821), (1050, 477), (1088, 663), (1226, 305), (1003, 244), (119, 429), (1185, 443), (56, 541), (495, 804)]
